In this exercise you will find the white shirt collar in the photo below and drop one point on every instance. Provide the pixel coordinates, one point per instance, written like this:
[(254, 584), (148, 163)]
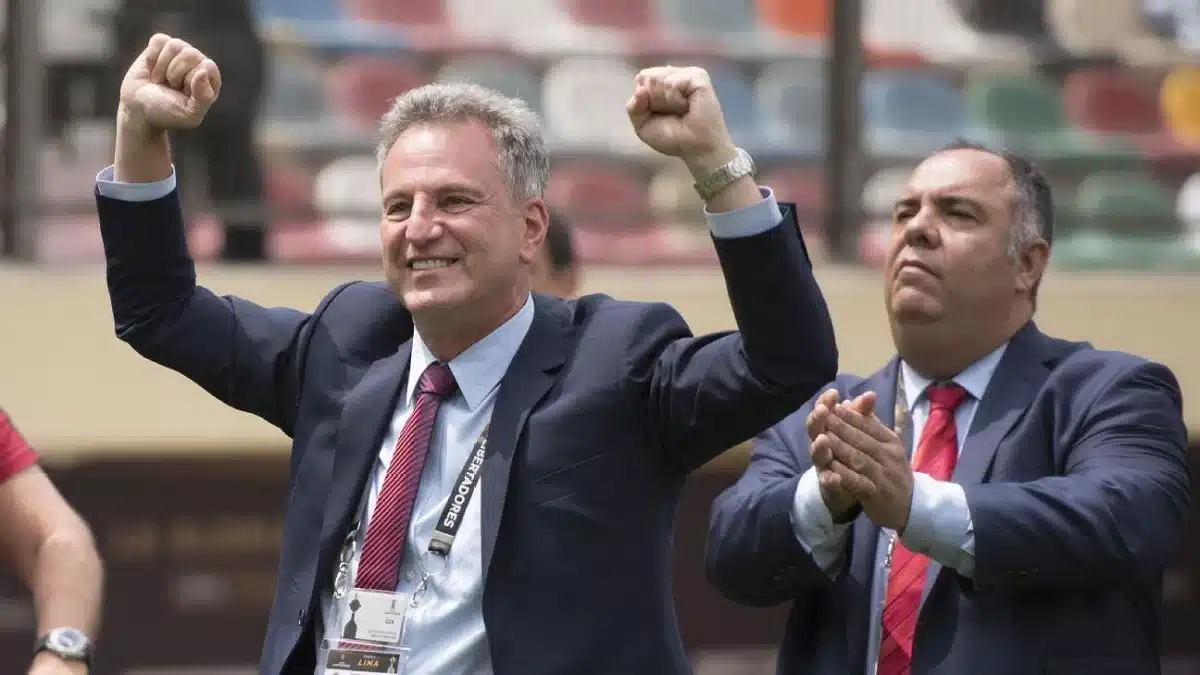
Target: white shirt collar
[(974, 378), (477, 370)]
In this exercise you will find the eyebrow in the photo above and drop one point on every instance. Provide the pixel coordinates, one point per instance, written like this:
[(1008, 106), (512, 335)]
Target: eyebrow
[(461, 188), (945, 203)]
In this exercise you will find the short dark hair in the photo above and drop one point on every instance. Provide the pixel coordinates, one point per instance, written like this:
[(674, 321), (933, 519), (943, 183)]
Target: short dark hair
[(1035, 203), (559, 243)]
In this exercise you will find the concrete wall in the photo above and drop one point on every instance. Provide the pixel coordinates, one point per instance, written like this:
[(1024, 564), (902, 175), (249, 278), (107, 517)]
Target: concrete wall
[(74, 389)]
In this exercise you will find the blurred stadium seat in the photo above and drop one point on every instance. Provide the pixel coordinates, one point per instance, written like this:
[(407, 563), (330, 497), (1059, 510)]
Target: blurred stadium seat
[(1021, 18), (709, 18), (910, 113), (584, 101), (905, 27), (1187, 209), (295, 90), (737, 100), (1181, 104), (361, 88), (406, 14), (790, 97), (509, 76), (627, 15), (1125, 220), (805, 18)]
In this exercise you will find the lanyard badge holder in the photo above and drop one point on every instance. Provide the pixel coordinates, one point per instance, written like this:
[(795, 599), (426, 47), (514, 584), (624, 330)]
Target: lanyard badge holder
[(372, 638)]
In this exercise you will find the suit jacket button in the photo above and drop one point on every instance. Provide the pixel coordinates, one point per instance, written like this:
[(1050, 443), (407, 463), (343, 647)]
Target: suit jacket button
[(300, 618)]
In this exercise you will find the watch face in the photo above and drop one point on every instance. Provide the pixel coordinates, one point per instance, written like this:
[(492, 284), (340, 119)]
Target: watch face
[(67, 641)]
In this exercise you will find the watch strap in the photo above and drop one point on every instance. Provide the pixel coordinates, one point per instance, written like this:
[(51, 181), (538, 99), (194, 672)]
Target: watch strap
[(723, 176)]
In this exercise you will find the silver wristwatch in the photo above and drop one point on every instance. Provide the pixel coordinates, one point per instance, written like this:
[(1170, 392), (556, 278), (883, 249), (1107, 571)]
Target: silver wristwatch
[(68, 643), (741, 165)]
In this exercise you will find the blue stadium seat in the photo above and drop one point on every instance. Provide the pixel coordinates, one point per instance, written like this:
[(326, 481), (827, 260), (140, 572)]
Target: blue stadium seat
[(297, 10), (511, 77), (716, 18), (909, 113), (737, 100), (790, 98)]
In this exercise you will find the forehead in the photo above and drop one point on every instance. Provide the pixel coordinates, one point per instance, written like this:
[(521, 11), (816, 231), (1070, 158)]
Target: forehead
[(979, 175), (440, 153)]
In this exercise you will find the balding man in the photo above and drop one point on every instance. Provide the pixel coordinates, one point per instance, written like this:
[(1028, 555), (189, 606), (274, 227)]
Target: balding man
[(992, 501)]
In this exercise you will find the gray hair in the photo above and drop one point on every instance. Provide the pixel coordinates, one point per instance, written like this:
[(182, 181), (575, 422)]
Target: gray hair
[(516, 129)]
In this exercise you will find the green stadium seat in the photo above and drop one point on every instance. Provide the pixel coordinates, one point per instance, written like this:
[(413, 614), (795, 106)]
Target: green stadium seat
[(1024, 113), (1125, 220)]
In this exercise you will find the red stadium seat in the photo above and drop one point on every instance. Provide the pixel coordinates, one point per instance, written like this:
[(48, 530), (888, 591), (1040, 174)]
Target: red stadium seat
[(629, 15), (404, 13), (361, 88), (602, 197), (1111, 102)]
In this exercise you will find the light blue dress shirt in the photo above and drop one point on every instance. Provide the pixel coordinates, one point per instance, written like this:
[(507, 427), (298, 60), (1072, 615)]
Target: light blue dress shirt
[(939, 523), (446, 632)]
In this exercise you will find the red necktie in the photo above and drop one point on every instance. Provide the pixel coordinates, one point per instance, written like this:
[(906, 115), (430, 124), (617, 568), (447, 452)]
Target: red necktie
[(379, 565), (936, 456)]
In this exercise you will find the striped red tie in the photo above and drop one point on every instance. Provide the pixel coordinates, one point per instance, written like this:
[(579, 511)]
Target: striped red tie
[(379, 564), (936, 456)]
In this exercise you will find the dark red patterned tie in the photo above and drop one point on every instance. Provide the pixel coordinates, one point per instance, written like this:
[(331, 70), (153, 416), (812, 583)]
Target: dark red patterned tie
[(379, 564), (936, 455)]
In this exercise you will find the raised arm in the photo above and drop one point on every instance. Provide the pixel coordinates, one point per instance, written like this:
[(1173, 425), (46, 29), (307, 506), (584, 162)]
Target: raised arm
[(708, 393), (242, 353)]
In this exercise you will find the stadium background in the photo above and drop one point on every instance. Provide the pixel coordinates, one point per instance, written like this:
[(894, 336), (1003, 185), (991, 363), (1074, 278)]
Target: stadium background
[(186, 497)]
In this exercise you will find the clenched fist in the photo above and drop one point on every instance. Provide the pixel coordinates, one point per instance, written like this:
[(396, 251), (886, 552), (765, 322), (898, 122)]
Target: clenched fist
[(676, 112), (170, 86)]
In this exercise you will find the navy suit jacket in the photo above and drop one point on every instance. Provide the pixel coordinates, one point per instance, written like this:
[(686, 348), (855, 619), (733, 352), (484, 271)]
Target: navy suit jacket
[(1076, 477), (604, 410)]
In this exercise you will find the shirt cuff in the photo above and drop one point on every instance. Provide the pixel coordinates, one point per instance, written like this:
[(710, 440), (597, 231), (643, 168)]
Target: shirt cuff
[(748, 220), (939, 524), (822, 538), (133, 192)]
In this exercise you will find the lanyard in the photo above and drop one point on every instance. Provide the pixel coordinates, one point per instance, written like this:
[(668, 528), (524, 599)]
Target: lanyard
[(447, 525)]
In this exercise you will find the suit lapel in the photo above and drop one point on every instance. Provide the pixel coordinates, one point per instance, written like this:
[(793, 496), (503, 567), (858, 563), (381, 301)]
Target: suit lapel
[(1019, 375), (864, 533), (365, 416), (529, 377)]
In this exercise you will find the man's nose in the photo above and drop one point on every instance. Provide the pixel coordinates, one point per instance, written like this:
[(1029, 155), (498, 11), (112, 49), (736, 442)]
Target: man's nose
[(921, 229), (422, 222)]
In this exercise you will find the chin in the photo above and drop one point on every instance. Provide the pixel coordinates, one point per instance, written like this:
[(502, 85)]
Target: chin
[(915, 311), (432, 299)]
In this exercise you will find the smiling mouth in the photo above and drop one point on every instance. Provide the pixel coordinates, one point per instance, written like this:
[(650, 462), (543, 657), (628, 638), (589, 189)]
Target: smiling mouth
[(431, 263)]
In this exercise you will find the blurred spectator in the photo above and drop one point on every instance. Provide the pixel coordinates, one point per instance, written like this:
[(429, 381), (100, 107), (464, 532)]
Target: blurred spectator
[(555, 271), (225, 145), (50, 548)]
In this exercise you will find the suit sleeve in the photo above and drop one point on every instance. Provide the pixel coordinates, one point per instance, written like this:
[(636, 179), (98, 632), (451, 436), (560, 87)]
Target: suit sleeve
[(706, 394), (756, 554), (241, 353), (1117, 513)]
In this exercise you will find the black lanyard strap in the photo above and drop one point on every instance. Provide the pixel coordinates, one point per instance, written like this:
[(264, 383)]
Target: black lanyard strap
[(456, 506)]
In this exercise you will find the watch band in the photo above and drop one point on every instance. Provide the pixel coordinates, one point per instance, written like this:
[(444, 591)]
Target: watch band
[(723, 176), (67, 643)]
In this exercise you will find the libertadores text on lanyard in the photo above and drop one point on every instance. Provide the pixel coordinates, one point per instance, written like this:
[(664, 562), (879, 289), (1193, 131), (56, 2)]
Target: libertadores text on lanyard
[(373, 624)]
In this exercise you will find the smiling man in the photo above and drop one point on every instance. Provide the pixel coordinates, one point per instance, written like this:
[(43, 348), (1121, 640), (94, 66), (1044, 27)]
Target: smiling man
[(993, 500), (483, 479)]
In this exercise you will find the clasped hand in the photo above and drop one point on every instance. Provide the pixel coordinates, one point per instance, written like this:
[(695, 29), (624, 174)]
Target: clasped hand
[(860, 461)]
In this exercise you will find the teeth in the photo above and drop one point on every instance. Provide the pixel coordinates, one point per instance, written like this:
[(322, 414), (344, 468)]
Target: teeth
[(431, 264)]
